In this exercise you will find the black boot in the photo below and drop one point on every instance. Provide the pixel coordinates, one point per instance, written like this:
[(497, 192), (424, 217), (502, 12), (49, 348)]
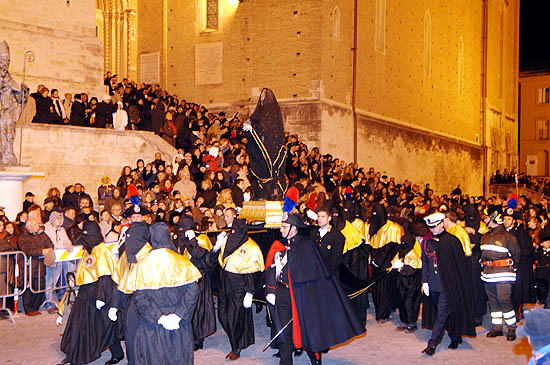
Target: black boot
[(429, 350), (511, 335), (495, 332)]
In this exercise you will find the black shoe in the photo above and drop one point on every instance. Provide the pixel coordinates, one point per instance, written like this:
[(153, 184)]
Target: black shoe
[(401, 328), (478, 322), (454, 345), (495, 333), (430, 351), (277, 354), (384, 320), (114, 360), (511, 335), (411, 329), (298, 352), (198, 347)]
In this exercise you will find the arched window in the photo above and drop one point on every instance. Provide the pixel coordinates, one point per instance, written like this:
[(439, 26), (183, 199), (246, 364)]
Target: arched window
[(427, 44), (380, 26), (461, 66), (336, 23)]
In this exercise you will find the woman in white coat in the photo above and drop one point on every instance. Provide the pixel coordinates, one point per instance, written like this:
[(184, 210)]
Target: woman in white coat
[(120, 118)]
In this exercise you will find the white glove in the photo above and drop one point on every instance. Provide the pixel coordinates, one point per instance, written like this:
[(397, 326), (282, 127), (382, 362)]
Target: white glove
[(58, 321), (311, 214), (247, 127), (397, 264), (247, 301), (220, 241), (170, 322), (99, 304), (190, 234), (426, 289), (270, 298), (112, 314)]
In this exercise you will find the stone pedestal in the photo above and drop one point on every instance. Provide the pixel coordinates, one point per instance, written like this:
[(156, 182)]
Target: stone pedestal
[(11, 188)]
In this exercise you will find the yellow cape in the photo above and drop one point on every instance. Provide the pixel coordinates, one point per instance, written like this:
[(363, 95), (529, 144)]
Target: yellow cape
[(460, 233), (155, 269), (247, 259), (92, 266), (390, 232), (413, 258), (352, 234), (203, 241)]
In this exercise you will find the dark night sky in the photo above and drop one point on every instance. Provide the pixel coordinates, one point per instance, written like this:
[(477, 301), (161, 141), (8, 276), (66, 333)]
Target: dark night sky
[(534, 34)]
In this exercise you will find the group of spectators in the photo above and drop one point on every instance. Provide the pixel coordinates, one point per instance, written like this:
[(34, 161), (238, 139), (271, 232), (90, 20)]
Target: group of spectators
[(127, 105)]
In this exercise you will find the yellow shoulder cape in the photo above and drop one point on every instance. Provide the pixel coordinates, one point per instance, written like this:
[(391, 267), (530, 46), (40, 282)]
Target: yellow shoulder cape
[(247, 259), (92, 266), (413, 258), (460, 233), (203, 241), (390, 232), (161, 268), (352, 234)]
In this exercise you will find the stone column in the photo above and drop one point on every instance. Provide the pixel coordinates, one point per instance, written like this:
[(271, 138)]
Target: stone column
[(11, 186)]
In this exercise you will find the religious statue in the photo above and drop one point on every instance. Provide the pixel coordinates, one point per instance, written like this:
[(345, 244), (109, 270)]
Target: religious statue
[(267, 149), (11, 98)]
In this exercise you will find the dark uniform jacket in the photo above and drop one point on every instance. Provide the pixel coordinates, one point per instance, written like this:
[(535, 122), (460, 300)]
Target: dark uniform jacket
[(495, 246), (331, 248)]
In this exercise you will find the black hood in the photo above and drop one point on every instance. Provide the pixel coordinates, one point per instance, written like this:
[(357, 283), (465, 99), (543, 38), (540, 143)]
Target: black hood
[(471, 216), (161, 237), (378, 219), (137, 236), (267, 120), (237, 236), (90, 237)]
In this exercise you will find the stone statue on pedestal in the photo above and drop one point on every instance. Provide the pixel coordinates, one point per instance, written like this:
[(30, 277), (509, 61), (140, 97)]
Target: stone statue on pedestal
[(11, 98)]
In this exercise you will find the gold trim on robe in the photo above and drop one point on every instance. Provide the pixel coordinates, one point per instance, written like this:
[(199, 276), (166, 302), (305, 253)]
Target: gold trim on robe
[(247, 259), (92, 266), (460, 233), (353, 236), (389, 232), (161, 268)]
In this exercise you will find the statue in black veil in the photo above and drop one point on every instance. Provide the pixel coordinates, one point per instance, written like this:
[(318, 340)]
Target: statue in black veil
[(266, 147)]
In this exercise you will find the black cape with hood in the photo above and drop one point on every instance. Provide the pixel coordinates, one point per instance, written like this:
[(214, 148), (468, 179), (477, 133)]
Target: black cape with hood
[(457, 286), (384, 292), (267, 149), (204, 317), (524, 288), (137, 236), (153, 343), (236, 320), (321, 311), (89, 331)]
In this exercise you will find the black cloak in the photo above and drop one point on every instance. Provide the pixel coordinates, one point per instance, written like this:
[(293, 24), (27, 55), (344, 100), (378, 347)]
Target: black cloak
[(524, 288), (153, 343), (204, 317), (457, 286), (267, 149), (89, 331), (322, 313)]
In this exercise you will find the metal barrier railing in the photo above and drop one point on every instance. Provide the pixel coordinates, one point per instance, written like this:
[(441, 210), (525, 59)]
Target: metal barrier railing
[(13, 279)]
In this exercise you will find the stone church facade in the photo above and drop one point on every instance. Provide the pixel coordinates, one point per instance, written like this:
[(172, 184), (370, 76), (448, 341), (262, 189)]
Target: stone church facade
[(424, 90)]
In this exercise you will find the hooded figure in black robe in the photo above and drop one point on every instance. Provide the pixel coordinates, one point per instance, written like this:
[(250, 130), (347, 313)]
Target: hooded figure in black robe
[(162, 299), (266, 147), (89, 331), (473, 220), (320, 310), (137, 237), (204, 317), (384, 237), (236, 320)]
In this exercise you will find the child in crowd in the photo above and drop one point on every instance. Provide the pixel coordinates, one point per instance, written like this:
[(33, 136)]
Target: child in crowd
[(66, 303)]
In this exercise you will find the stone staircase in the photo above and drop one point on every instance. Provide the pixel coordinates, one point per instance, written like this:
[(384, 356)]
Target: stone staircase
[(504, 190)]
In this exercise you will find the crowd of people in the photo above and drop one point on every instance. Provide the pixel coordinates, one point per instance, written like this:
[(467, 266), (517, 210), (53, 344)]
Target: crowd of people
[(369, 230)]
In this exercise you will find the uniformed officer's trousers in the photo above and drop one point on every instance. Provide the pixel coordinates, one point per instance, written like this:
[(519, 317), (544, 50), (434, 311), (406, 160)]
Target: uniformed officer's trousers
[(442, 319), (283, 304), (500, 304)]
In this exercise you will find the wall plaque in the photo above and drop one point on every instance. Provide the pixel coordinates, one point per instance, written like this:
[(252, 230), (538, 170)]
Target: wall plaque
[(208, 63), (149, 68)]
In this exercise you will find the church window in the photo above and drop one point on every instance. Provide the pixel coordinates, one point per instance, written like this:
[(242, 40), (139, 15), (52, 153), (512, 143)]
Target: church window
[(380, 26), (542, 129), (427, 44), (543, 95), (336, 23), (210, 15)]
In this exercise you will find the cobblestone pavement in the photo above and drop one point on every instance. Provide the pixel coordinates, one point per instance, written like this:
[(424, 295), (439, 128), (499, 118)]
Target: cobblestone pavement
[(35, 340)]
